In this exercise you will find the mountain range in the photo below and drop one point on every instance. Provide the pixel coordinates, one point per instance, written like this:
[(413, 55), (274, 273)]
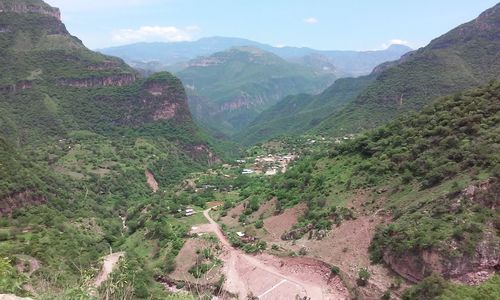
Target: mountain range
[(173, 56), (228, 89), (466, 56)]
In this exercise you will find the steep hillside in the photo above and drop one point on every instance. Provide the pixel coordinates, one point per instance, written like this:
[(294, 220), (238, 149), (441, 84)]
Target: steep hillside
[(428, 182), (82, 138), (294, 115), (228, 89), (467, 56), (172, 56)]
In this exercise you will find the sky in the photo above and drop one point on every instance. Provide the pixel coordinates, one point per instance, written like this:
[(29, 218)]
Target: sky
[(319, 24)]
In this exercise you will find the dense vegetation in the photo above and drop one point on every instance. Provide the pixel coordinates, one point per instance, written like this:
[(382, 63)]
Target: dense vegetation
[(229, 89), (465, 57), (294, 115), (83, 150), (421, 162)]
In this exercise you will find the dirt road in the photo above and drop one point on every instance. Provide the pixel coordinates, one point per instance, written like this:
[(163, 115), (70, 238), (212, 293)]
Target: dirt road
[(257, 275), (108, 265)]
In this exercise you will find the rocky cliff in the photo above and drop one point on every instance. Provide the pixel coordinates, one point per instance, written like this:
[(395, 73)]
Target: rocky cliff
[(99, 81), (20, 200), (164, 96), (37, 7), (472, 268)]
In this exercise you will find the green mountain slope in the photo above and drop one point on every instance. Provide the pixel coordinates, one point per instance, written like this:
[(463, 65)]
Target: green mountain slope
[(433, 174), (229, 89), (78, 133), (294, 115), (467, 56)]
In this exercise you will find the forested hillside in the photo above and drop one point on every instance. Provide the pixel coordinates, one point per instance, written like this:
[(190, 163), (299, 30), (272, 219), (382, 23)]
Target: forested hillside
[(465, 57), (432, 175), (227, 90), (80, 133)]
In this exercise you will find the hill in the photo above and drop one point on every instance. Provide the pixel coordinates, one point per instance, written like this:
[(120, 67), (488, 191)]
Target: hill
[(84, 141), (228, 89), (294, 115), (174, 56), (462, 58), (465, 57), (418, 194)]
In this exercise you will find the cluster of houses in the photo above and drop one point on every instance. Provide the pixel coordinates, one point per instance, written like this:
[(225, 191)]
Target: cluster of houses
[(269, 165)]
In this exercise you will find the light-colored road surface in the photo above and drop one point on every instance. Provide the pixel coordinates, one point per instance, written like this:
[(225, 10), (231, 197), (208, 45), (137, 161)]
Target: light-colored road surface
[(108, 265), (248, 274)]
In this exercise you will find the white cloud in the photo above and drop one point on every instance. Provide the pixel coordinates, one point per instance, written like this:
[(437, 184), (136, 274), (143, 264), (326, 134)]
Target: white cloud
[(155, 33), (398, 42), (311, 20), (393, 42)]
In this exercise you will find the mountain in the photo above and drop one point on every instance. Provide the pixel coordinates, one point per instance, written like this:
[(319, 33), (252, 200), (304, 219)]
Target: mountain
[(228, 89), (173, 56), (417, 196), (84, 141), (462, 58), (466, 56), (296, 114)]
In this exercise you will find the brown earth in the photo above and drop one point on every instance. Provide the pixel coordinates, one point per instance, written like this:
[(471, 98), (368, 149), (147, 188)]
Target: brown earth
[(108, 265), (231, 220), (269, 277), (277, 225), (187, 258), (267, 208), (346, 247), (151, 181)]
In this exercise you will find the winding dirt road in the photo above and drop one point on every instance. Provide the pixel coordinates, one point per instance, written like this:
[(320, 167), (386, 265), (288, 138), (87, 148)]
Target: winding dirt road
[(256, 275)]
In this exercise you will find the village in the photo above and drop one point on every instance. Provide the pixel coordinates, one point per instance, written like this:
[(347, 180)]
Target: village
[(269, 165)]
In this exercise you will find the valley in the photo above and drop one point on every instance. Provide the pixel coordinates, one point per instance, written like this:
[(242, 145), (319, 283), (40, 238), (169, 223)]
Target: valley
[(252, 171)]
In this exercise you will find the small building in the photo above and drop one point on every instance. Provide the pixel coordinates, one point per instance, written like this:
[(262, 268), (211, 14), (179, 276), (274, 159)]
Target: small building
[(240, 234), (189, 212), (247, 171)]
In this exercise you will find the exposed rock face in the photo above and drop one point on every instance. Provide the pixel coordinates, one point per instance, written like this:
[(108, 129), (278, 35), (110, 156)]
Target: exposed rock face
[(19, 200), (39, 8), (417, 266), (469, 269), (166, 98), (203, 153), (113, 80), (13, 88)]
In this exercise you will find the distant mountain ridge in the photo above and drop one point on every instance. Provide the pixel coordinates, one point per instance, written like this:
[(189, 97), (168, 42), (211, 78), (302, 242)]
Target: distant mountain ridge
[(171, 56), (465, 57), (228, 89)]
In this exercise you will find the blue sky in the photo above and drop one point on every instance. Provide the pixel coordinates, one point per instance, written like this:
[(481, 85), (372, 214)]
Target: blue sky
[(320, 24)]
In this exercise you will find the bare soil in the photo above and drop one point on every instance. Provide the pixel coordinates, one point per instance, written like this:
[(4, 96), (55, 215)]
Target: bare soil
[(277, 225), (187, 258), (346, 247), (269, 277), (231, 220), (108, 265), (151, 181)]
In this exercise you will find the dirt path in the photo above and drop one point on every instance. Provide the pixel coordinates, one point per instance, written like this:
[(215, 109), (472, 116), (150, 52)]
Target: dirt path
[(153, 184), (254, 274), (108, 265)]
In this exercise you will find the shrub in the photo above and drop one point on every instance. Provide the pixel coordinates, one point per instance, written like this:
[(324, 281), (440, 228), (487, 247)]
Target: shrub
[(363, 276)]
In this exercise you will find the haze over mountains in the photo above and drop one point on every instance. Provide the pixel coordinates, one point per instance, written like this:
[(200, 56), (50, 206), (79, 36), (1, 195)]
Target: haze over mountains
[(230, 80), (172, 56)]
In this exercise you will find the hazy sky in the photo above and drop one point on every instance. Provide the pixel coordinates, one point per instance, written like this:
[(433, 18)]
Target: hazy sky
[(320, 24)]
